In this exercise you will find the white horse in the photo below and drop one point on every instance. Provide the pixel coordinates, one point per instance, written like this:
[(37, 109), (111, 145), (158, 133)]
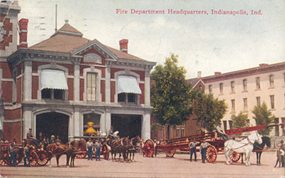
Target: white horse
[(244, 146)]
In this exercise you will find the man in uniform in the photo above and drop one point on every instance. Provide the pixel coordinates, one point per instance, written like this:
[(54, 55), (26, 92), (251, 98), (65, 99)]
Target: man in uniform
[(192, 148), (203, 149)]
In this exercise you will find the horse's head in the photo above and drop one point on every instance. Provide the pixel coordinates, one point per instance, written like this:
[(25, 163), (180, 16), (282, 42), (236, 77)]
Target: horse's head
[(266, 141)]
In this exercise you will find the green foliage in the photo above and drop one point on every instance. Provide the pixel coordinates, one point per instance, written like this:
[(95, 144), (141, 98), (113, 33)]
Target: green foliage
[(241, 120), (170, 93), (208, 110), (262, 115)]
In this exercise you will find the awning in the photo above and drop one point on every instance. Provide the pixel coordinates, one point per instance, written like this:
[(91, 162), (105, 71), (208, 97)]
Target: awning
[(128, 84), (53, 79)]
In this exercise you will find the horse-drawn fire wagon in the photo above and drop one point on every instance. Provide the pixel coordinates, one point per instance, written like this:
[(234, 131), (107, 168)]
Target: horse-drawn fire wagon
[(216, 140), (38, 157)]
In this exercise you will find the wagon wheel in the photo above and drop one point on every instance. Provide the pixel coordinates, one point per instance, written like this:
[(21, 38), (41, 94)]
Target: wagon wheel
[(170, 153), (81, 154), (43, 158), (235, 156), (148, 148), (5, 159), (211, 154), (105, 152), (34, 158)]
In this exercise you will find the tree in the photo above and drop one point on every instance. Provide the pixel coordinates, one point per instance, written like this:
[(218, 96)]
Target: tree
[(263, 116), (241, 120), (170, 93), (208, 110)]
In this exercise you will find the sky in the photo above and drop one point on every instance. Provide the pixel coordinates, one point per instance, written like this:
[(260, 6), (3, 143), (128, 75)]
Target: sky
[(209, 42)]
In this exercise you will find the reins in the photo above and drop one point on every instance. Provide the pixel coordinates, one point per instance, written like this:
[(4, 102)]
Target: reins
[(249, 142)]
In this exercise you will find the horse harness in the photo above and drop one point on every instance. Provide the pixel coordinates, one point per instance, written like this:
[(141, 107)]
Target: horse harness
[(249, 143)]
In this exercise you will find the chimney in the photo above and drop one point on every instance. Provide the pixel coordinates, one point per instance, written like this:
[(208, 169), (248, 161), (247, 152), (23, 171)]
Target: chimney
[(23, 26), (199, 74), (124, 45), (263, 65), (218, 73)]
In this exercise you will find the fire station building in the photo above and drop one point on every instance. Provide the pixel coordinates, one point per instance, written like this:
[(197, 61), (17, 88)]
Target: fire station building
[(58, 85)]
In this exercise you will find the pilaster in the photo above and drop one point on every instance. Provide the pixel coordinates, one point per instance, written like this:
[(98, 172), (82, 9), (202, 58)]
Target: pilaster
[(76, 81), (27, 80)]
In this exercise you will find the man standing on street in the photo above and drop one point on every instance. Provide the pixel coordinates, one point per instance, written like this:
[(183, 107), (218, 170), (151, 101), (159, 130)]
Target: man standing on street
[(89, 147), (203, 149), (192, 148)]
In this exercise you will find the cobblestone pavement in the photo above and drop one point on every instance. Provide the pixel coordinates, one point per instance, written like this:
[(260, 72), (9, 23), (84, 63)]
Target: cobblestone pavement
[(180, 166)]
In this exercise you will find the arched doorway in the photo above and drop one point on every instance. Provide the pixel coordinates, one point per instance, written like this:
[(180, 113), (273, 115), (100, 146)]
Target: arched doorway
[(53, 123), (127, 125)]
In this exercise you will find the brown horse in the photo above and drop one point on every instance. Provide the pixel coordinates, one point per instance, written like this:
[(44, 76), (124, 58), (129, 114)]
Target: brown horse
[(119, 146), (58, 150)]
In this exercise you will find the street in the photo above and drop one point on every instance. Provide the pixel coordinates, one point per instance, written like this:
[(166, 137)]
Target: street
[(180, 166)]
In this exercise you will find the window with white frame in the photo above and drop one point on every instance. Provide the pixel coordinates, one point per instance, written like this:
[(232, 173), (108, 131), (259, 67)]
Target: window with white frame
[(271, 81), (258, 101), (221, 88), (233, 103), (257, 82), (91, 86), (272, 102), (232, 86), (245, 104), (244, 83), (210, 87)]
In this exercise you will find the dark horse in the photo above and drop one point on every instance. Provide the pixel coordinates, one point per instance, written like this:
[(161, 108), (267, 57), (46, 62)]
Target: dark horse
[(60, 149), (118, 145), (133, 147), (258, 148)]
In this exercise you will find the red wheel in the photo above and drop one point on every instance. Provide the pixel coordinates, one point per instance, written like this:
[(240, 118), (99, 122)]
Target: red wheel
[(170, 153), (43, 158), (5, 159), (148, 148), (105, 152), (211, 154), (235, 156), (81, 154), (34, 159)]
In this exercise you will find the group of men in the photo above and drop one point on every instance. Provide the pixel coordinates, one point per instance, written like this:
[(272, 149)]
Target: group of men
[(193, 150), (93, 146)]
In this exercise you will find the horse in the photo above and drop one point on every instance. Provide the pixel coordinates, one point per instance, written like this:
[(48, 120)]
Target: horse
[(259, 147), (118, 145), (243, 146), (60, 149), (133, 147)]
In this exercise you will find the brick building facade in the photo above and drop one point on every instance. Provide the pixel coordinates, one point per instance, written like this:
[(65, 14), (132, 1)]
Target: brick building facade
[(60, 84)]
